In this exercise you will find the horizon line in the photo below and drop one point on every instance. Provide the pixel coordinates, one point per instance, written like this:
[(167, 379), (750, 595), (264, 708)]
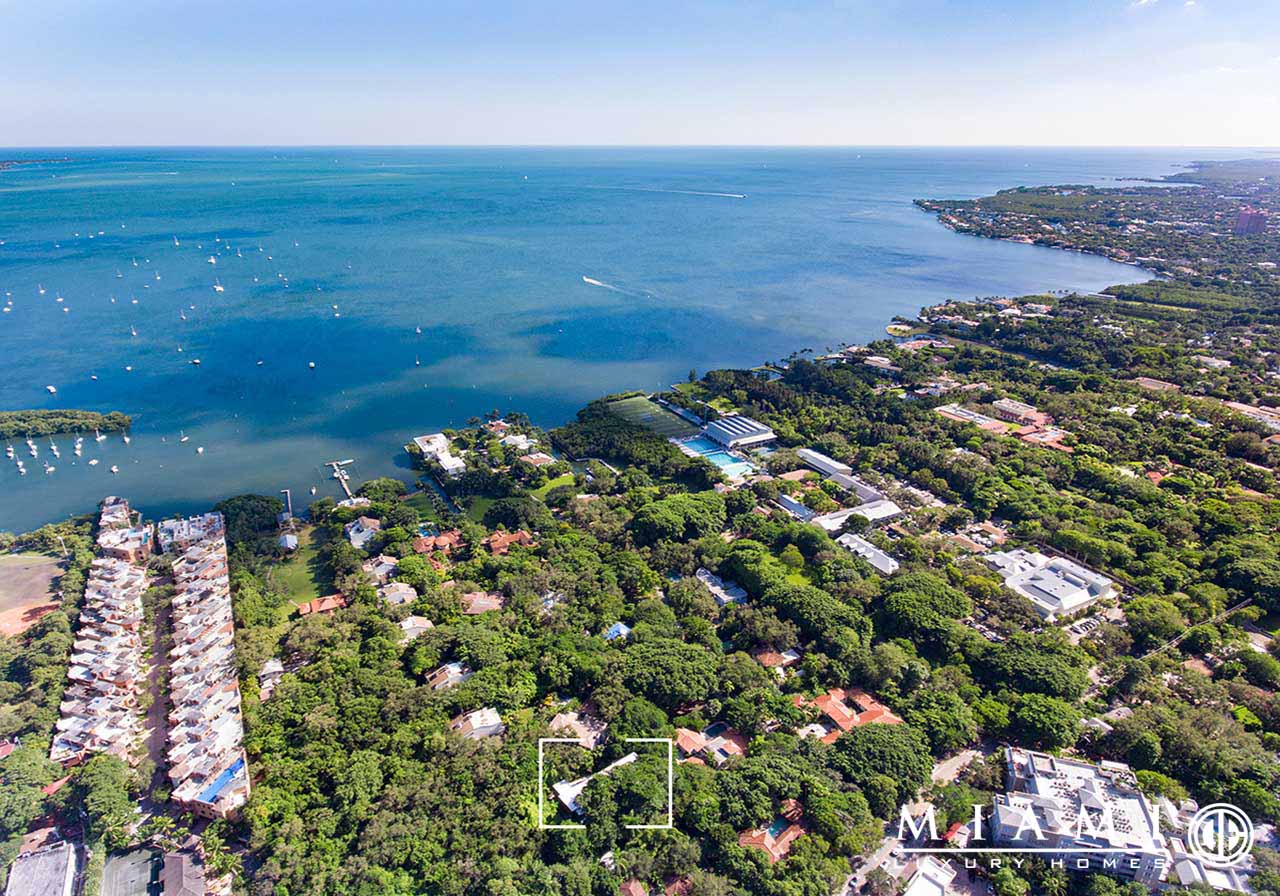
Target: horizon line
[(852, 146)]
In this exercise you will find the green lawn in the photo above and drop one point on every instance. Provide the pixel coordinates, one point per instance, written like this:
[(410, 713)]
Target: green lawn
[(479, 507), (423, 503), (300, 576), (541, 493)]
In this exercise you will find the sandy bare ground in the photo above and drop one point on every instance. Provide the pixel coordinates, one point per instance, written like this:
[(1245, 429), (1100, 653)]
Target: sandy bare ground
[(27, 590)]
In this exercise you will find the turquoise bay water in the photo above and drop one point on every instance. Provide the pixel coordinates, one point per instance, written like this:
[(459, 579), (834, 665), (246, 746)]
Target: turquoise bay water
[(538, 278)]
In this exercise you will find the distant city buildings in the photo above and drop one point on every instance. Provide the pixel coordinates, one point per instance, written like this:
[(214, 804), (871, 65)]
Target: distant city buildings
[(1250, 221)]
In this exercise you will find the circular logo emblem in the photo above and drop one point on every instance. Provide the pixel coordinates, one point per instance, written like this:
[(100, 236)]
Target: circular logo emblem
[(1220, 834)]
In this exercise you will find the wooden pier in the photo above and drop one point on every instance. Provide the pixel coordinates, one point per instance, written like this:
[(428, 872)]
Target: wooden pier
[(341, 475)]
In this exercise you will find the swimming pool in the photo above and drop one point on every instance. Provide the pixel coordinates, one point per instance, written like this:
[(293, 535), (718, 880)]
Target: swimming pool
[(733, 467), (779, 825), (700, 445)]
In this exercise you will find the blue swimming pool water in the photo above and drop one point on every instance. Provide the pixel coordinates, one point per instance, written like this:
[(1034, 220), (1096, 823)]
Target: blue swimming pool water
[(701, 445), (779, 825), (731, 465), (716, 729)]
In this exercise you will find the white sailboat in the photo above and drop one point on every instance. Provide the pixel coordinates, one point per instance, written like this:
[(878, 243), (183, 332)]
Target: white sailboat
[(217, 285)]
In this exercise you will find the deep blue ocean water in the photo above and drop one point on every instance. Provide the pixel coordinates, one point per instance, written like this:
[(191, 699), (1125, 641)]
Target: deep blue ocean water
[(539, 278)]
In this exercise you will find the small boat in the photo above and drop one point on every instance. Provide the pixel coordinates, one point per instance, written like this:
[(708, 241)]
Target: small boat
[(21, 469), (128, 368), (115, 469), (31, 447), (39, 289), (182, 436), (98, 437), (93, 462), (53, 449), (313, 489), (200, 450), (182, 314), (195, 361), (79, 449), (212, 260), (52, 390), (157, 275), (8, 451), (311, 364), (133, 331), (418, 330), (118, 274), (217, 287), (416, 361), (176, 244), (261, 362), (48, 468), (126, 438)]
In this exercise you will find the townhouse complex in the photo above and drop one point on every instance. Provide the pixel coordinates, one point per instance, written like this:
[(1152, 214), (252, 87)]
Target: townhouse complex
[(207, 766), (99, 711)]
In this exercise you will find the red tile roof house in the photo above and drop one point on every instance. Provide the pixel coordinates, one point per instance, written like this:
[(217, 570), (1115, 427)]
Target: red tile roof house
[(476, 602), (538, 458), (633, 887), (324, 605), (444, 542), (499, 543), (696, 746), (776, 837), (838, 717)]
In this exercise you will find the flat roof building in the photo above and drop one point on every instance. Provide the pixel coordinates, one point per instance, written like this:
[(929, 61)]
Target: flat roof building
[(737, 431), (50, 871), (1056, 586), (859, 546), (1051, 795), (822, 463)]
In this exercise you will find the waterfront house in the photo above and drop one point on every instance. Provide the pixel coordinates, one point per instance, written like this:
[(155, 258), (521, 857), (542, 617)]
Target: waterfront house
[(362, 530)]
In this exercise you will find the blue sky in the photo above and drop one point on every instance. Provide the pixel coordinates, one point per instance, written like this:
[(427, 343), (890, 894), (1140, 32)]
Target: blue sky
[(847, 72)]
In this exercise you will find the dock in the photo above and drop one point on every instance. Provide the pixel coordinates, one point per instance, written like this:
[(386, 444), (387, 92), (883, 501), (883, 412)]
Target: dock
[(341, 475)]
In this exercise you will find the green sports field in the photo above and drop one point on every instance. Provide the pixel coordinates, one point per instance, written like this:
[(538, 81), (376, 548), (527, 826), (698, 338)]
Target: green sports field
[(642, 411)]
